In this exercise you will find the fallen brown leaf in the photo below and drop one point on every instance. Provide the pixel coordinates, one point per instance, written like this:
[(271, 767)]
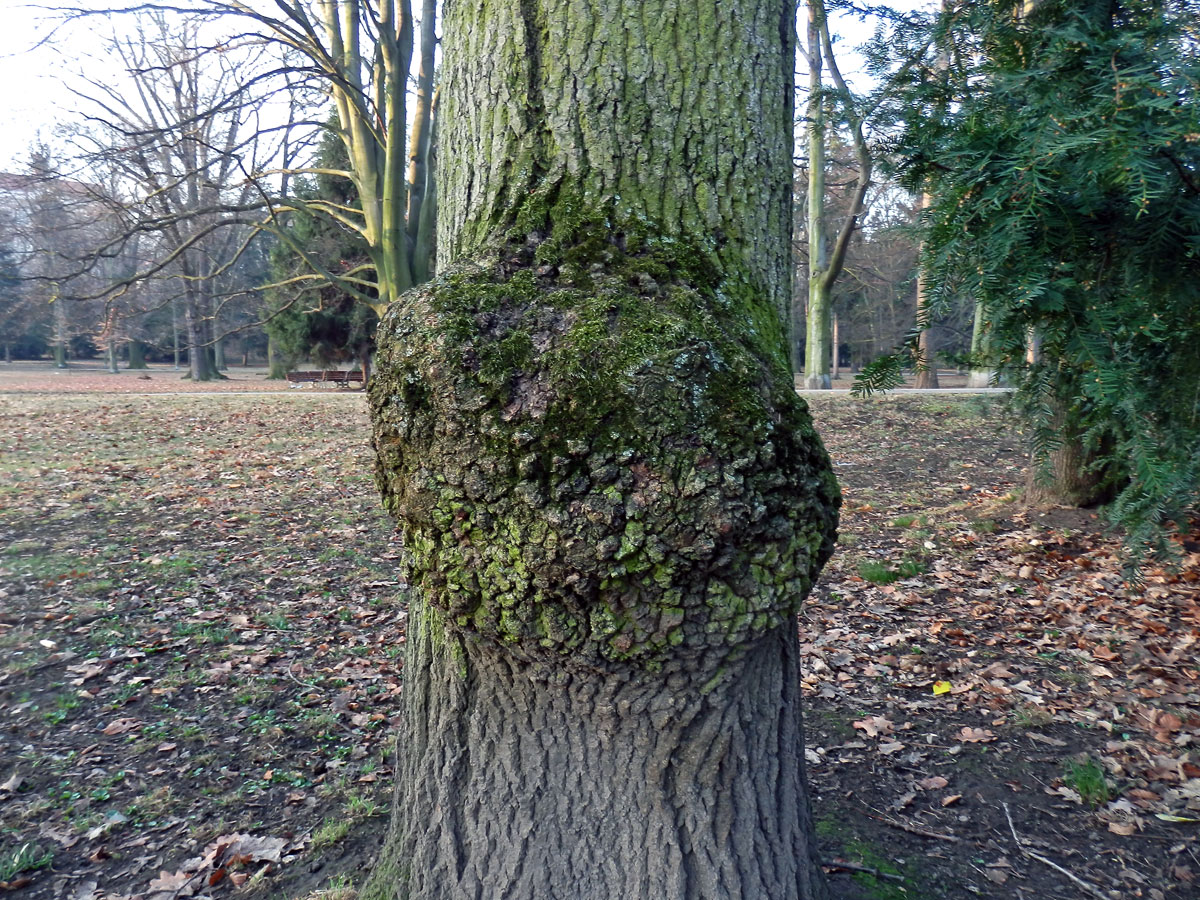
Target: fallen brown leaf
[(975, 735)]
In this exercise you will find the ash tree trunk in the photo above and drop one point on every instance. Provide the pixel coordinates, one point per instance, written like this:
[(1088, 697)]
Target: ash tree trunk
[(612, 500)]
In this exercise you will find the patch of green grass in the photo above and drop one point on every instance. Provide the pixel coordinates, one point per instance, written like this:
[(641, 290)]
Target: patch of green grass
[(26, 858), (275, 620), (330, 832), (64, 704), (204, 633), (1086, 778), (876, 572), (881, 573), (984, 526), (359, 807), (900, 886)]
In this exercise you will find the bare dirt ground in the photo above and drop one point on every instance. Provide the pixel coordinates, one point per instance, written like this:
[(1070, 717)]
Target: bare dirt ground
[(201, 634)]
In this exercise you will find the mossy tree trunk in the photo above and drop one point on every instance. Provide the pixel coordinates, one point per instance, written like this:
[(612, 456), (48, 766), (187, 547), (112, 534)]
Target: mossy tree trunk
[(612, 500)]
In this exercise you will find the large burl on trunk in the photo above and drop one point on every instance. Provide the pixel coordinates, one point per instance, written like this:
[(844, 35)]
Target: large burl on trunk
[(612, 501)]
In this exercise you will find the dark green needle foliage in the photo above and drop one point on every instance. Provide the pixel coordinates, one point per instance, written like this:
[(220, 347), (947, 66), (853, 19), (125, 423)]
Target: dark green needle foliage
[(1061, 146)]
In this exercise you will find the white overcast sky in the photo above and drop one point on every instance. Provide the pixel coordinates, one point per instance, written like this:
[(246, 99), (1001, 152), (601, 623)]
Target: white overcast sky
[(34, 98)]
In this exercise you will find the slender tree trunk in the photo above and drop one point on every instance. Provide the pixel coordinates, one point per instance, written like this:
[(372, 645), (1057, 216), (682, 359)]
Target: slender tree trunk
[(927, 376), (818, 340), (111, 356), (601, 677), (834, 365), (61, 338), (927, 354), (979, 376), (175, 332)]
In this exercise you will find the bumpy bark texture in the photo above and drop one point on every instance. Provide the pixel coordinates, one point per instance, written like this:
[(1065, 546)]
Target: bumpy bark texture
[(611, 498)]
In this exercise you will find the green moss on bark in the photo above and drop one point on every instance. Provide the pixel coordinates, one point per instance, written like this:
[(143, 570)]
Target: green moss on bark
[(594, 450)]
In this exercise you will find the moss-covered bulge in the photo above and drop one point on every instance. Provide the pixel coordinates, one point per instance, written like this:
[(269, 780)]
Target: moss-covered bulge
[(595, 453)]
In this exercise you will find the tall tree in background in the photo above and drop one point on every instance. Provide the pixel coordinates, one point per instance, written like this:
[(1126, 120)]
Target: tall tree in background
[(1066, 186), (825, 263), (359, 54), (181, 152), (613, 502)]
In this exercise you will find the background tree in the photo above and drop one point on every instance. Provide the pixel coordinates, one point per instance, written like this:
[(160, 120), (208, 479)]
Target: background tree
[(15, 324), (52, 220), (825, 262), (1066, 199), (601, 677), (359, 55), (180, 151)]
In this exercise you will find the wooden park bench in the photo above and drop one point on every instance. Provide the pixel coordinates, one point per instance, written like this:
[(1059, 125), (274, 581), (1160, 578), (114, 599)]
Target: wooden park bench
[(339, 377)]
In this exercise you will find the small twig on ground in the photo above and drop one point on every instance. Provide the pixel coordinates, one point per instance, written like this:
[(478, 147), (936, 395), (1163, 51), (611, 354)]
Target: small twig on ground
[(854, 867), (912, 829), (1087, 886)]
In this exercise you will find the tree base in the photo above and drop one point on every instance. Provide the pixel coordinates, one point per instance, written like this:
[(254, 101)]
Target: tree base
[(981, 378), (524, 781), (818, 383)]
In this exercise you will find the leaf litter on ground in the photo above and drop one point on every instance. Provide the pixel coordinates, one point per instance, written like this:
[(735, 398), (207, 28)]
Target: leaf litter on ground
[(202, 629)]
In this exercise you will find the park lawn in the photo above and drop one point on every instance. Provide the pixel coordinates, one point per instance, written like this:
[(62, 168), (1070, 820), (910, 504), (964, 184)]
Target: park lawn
[(201, 635)]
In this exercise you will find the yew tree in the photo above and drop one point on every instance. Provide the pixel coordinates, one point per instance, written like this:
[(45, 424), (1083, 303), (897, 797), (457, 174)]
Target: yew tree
[(1062, 153), (612, 500)]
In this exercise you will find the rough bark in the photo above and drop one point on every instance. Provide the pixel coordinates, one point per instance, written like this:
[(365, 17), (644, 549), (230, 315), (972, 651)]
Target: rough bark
[(661, 112), (612, 500), (1069, 475), (625, 790)]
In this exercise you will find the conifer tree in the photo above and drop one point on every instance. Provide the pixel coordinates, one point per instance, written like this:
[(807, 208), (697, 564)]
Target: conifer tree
[(1064, 168)]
